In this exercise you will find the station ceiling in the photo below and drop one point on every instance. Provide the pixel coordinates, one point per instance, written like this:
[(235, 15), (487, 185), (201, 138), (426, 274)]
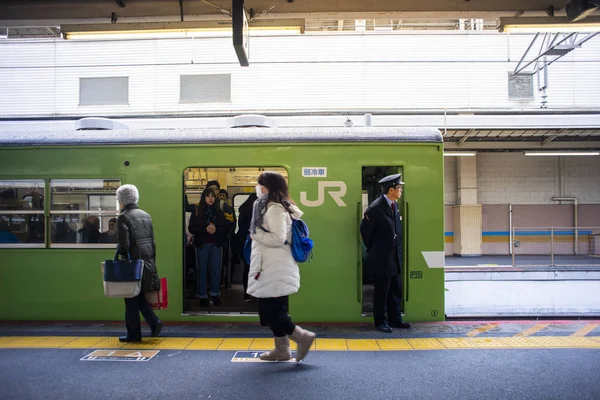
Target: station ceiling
[(540, 139), (51, 15), (86, 9)]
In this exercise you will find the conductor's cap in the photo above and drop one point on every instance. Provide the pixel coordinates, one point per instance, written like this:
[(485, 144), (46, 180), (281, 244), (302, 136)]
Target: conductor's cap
[(391, 180)]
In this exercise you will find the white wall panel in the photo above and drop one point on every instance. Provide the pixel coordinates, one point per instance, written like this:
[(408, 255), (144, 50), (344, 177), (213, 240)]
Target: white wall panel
[(581, 179), (504, 178), (28, 55), (405, 71), (27, 91), (114, 53)]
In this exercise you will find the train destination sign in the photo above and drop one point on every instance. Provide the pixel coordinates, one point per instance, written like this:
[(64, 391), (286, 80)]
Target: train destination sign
[(314, 172), (120, 355)]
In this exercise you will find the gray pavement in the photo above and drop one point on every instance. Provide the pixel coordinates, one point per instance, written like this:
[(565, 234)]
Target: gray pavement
[(459, 374), (560, 261)]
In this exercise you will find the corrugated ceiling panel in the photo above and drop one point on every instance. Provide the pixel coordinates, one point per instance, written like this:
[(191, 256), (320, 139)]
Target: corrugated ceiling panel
[(27, 91), (294, 73)]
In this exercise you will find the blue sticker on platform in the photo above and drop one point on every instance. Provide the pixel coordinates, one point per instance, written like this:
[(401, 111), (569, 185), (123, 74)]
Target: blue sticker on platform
[(254, 356)]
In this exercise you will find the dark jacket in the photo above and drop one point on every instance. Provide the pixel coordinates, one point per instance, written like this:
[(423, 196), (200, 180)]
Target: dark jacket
[(381, 232), (227, 210), (136, 238), (244, 221), (198, 224), (89, 234)]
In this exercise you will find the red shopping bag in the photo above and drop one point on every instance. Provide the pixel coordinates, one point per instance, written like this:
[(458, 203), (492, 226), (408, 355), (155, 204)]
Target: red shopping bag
[(159, 300)]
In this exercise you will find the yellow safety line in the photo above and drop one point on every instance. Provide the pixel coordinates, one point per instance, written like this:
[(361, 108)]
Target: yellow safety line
[(321, 344), (585, 330), (482, 329), (532, 330)]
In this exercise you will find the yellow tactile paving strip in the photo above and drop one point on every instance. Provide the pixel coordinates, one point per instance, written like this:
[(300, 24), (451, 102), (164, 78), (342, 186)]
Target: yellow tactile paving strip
[(585, 330), (481, 329), (532, 330), (320, 344)]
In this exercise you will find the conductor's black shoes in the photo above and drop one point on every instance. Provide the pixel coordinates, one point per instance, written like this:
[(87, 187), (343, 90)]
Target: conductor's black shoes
[(401, 325), (384, 328)]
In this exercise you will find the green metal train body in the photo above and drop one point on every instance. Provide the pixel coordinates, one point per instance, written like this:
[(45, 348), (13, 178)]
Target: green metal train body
[(325, 169)]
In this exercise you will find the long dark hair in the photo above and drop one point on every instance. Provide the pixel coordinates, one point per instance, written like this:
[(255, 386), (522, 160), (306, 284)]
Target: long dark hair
[(204, 211), (278, 188), (207, 192)]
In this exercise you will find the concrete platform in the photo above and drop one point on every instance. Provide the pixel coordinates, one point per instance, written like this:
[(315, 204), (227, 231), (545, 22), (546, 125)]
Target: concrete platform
[(554, 359), (497, 262)]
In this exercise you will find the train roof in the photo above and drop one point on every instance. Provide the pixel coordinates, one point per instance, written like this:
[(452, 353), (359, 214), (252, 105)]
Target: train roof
[(212, 136)]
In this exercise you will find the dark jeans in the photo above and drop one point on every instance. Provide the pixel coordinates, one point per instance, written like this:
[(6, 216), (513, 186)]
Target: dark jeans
[(133, 307), (387, 297), (208, 259), (273, 312), (245, 276)]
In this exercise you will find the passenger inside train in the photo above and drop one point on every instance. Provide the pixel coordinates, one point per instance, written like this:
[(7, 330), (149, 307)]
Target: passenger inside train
[(233, 192)]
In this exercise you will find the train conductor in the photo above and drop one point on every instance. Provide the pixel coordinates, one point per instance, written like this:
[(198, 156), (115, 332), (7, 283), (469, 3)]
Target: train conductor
[(381, 231)]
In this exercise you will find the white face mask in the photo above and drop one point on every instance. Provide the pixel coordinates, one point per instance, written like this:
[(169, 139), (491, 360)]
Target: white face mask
[(258, 190)]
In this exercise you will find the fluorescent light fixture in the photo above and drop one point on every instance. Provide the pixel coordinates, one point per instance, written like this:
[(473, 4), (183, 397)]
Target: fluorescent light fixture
[(124, 35), (550, 25), (143, 35), (175, 30), (562, 153), (560, 28), (459, 153)]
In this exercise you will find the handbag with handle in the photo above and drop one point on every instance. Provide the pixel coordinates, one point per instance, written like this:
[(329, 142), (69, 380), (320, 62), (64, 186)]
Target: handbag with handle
[(122, 278), (159, 299)]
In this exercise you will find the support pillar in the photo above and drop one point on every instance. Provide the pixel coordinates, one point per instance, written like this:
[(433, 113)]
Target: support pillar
[(467, 213)]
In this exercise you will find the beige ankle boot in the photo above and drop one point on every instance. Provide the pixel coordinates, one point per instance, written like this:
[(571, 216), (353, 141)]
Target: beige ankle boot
[(304, 339), (281, 352)]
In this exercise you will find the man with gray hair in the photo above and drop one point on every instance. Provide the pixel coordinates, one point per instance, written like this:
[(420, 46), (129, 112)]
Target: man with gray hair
[(136, 240)]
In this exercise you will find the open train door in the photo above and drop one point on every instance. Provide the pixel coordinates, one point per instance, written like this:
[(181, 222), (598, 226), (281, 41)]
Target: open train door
[(371, 175)]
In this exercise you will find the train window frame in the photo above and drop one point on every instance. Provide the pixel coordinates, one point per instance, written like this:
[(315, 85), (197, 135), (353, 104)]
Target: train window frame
[(16, 184), (52, 212)]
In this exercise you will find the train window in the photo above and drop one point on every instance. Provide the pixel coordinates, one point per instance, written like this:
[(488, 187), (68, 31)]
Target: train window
[(22, 213), (83, 213), (233, 187)]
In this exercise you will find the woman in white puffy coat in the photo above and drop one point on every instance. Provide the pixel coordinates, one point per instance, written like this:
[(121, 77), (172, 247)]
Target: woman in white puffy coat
[(274, 274)]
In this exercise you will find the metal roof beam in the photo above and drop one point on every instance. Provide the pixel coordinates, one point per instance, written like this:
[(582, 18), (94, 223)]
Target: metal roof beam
[(516, 145), (553, 48), (551, 138), (465, 137)]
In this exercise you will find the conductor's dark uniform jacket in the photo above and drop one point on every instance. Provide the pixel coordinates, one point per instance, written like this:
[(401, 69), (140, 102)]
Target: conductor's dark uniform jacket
[(381, 230)]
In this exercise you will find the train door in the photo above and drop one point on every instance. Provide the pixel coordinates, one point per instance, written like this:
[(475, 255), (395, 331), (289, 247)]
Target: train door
[(370, 192), (218, 287)]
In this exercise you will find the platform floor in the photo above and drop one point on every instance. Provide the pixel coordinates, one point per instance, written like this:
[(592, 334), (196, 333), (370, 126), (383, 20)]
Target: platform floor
[(493, 262), (541, 359)]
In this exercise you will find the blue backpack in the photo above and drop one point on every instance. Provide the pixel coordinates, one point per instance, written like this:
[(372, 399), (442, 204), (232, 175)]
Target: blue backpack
[(301, 244), (247, 249)]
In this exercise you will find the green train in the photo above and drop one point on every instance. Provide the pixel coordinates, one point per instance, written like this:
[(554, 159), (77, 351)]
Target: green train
[(57, 210)]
